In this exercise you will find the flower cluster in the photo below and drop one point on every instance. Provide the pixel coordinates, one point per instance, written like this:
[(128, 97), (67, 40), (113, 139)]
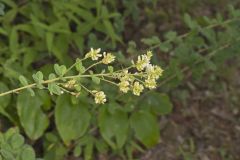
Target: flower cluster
[(99, 97), (154, 72), (107, 58), (142, 74), (150, 73), (70, 84), (124, 86), (143, 61), (137, 88), (94, 54), (150, 83)]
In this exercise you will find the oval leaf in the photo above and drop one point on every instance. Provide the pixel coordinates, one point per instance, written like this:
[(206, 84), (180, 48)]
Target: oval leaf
[(158, 102), (145, 127), (32, 118), (4, 101), (113, 125), (72, 120)]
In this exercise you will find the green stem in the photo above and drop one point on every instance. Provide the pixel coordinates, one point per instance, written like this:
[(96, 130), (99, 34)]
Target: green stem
[(65, 90), (74, 65), (93, 65), (109, 81), (188, 33), (139, 80), (57, 79), (86, 89), (187, 68)]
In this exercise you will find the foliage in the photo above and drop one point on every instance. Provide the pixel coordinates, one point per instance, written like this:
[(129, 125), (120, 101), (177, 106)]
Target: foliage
[(12, 146), (36, 34), (51, 28)]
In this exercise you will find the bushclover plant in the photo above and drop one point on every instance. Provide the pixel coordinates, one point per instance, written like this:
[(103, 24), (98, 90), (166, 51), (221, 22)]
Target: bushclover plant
[(141, 74), (71, 123)]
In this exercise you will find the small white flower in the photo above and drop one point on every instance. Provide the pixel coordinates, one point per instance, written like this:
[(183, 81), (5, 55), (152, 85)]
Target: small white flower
[(70, 83), (154, 72), (108, 58), (124, 86), (100, 97), (94, 54), (142, 62), (149, 54), (125, 76), (137, 88), (150, 83)]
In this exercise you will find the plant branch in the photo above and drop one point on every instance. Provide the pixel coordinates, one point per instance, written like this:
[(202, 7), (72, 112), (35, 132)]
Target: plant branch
[(187, 68), (74, 65), (207, 27), (93, 65)]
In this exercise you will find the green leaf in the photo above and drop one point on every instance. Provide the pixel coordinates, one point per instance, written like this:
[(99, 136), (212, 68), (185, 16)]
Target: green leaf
[(101, 146), (79, 41), (85, 28), (113, 126), (7, 154), (188, 20), (151, 41), (3, 31), (4, 101), (51, 76), (83, 13), (60, 70), (46, 100), (88, 150), (38, 78), (16, 141), (61, 47), (28, 57), (53, 87), (49, 40), (79, 67), (78, 88), (31, 116), (77, 151), (145, 127), (110, 69), (55, 149), (10, 132), (171, 35), (159, 103), (10, 3), (10, 16), (96, 79), (2, 8), (72, 120), (165, 47), (24, 82), (28, 154), (13, 41), (210, 64), (30, 90), (110, 31)]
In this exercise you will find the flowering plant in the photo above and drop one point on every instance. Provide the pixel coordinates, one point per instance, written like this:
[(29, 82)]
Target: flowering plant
[(144, 75), (74, 111)]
